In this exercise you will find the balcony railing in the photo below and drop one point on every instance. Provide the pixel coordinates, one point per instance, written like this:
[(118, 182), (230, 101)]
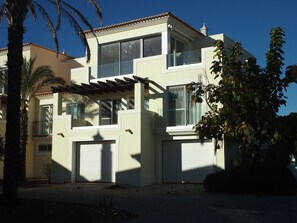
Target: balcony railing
[(116, 69), (42, 128), (184, 58)]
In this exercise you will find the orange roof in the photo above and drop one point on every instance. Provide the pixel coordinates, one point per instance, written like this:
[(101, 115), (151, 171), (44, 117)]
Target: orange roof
[(145, 19), (42, 47)]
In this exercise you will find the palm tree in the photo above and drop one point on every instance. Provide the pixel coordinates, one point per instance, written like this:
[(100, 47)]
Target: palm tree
[(16, 11), (33, 80)]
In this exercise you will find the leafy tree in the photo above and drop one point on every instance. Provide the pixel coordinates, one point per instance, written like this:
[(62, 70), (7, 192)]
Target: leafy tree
[(245, 102), (15, 12), (291, 73)]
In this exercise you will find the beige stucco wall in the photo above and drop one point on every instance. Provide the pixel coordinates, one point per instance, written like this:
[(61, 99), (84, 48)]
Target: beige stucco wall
[(61, 66), (139, 134)]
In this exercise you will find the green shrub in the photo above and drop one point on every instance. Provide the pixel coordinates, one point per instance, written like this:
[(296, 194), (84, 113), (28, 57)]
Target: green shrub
[(260, 178)]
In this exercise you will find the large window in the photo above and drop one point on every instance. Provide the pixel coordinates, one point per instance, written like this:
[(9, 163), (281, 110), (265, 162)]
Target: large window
[(182, 110), (76, 110), (177, 52), (152, 46), (117, 58), (130, 50), (109, 60), (182, 53), (109, 111)]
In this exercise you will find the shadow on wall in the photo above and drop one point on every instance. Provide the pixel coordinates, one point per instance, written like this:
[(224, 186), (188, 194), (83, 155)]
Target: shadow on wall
[(60, 174), (196, 175), (186, 162)]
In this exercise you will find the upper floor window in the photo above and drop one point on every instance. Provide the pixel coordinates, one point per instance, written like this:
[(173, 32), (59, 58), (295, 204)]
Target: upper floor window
[(117, 58), (177, 49), (152, 46), (182, 53), (76, 110), (182, 110)]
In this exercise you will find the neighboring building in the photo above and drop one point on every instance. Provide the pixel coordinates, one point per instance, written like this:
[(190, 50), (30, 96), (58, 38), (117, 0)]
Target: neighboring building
[(127, 116), (40, 109)]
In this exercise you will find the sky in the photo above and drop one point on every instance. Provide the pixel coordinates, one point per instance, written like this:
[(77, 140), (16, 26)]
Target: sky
[(247, 22)]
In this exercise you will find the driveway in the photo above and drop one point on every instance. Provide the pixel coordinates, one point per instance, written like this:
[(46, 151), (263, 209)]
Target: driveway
[(175, 203)]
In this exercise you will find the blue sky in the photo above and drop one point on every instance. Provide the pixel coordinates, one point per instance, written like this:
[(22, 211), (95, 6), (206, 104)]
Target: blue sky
[(248, 22)]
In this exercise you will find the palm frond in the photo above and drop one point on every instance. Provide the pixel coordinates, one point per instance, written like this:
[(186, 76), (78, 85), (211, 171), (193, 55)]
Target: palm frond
[(2, 8), (80, 16), (74, 23), (49, 23), (33, 80), (58, 14), (97, 8), (31, 8)]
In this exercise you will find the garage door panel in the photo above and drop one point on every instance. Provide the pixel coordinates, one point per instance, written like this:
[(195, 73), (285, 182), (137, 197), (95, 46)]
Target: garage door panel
[(96, 162), (187, 161)]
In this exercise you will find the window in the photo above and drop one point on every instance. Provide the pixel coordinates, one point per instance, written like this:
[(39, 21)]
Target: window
[(177, 52), (76, 110), (109, 111), (182, 110), (117, 58), (130, 50), (46, 119), (45, 148), (152, 46), (109, 60)]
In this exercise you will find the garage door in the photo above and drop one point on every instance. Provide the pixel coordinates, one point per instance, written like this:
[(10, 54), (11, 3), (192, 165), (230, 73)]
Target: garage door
[(96, 162), (187, 161)]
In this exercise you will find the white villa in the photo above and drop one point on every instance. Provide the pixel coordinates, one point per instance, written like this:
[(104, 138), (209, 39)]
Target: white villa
[(126, 116)]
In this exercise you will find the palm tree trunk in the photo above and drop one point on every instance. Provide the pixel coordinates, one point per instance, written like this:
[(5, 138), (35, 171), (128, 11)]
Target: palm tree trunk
[(23, 142), (12, 140)]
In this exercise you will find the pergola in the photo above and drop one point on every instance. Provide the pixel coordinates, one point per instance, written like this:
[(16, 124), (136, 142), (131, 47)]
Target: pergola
[(101, 87)]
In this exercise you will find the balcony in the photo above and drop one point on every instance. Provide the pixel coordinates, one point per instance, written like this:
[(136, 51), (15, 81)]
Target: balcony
[(184, 58), (116, 69), (42, 128)]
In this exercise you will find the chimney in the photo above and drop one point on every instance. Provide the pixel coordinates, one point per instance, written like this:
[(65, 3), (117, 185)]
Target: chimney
[(204, 30)]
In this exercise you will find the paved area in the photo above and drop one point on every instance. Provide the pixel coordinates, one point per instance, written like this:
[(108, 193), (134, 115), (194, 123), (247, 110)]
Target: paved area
[(175, 203)]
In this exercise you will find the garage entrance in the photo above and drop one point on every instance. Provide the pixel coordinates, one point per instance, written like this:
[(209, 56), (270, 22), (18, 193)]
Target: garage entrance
[(187, 161), (96, 162)]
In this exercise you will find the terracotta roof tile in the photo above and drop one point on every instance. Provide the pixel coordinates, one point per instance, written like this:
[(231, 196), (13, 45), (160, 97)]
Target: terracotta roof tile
[(42, 47), (141, 20)]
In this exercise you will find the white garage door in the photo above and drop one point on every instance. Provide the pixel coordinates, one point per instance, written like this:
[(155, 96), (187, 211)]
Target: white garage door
[(96, 162), (187, 161)]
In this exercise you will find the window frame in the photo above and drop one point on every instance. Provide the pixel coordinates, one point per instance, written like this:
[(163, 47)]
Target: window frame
[(112, 112), (49, 148), (119, 70), (186, 108), (78, 114)]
